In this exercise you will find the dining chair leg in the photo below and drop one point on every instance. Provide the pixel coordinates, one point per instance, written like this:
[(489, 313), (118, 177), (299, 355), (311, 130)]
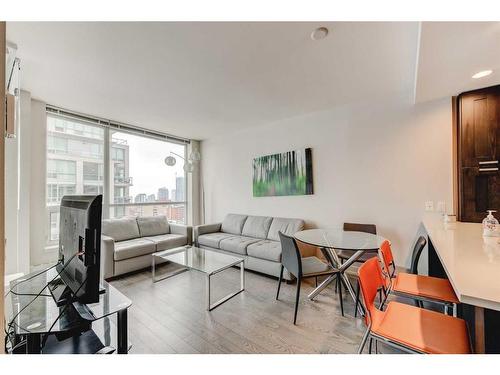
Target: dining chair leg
[(279, 282), (316, 278), (357, 301), (370, 346), (336, 283), (339, 281), (363, 340), (297, 300)]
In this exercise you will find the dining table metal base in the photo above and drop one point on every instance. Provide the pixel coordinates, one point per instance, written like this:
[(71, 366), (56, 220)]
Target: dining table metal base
[(332, 258)]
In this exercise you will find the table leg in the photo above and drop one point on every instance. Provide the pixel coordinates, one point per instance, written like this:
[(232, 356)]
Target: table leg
[(329, 279), (242, 275), (321, 286), (211, 306), (33, 343), (153, 267), (351, 292), (342, 270), (122, 331), (153, 272), (208, 292), (332, 258)]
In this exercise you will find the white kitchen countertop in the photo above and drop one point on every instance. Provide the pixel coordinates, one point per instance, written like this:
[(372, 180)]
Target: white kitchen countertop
[(471, 261)]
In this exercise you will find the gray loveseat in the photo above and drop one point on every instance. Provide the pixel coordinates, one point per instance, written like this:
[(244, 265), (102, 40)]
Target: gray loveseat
[(254, 238), (127, 243)]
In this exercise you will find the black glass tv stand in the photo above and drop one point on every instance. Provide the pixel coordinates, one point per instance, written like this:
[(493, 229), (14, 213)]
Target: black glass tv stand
[(43, 315), (62, 294)]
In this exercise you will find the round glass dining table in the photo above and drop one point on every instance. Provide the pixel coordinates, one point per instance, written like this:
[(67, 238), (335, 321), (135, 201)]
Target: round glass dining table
[(331, 240)]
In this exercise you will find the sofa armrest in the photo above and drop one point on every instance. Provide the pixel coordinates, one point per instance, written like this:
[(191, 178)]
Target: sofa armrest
[(185, 230), (205, 229), (107, 257)]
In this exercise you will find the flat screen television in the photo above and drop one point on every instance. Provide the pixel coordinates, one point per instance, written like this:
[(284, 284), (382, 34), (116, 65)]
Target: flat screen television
[(80, 232)]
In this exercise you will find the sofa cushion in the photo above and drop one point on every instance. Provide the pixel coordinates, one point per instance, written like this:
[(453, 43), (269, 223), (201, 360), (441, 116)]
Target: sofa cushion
[(265, 249), (233, 224), (153, 225), (213, 239), (285, 226), (257, 226), (133, 248), (237, 244), (168, 241), (120, 229)]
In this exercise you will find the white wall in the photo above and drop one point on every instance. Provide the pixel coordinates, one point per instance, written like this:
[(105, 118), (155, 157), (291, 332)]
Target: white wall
[(372, 163)]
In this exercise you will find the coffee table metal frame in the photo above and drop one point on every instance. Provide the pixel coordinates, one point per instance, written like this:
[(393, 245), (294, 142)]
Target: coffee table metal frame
[(210, 306)]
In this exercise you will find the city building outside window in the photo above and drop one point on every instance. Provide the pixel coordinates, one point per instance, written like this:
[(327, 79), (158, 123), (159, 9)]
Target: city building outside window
[(140, 184), (141, 181)]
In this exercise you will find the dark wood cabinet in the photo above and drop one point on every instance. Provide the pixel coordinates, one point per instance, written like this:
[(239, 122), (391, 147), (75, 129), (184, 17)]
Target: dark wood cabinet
[(478, 141)]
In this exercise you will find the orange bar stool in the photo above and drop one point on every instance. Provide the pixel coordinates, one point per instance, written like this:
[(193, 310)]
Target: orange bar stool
[(417, 287), (406, 327)]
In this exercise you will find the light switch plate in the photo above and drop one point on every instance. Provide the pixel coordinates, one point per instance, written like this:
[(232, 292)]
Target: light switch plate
[(429, 206)]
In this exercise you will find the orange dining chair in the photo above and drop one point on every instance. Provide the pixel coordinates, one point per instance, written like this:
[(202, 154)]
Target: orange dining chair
[(406, 327), (417, 287)]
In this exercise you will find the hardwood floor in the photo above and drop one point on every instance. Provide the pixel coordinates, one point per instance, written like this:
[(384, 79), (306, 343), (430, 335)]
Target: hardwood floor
[(170, 317)]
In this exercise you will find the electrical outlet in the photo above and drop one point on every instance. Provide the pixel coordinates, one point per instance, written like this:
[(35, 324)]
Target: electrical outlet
[(441, 207), (429, 206)]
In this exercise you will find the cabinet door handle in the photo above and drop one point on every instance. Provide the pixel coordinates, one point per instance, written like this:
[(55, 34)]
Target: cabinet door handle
[(488, 169), (488, 162)]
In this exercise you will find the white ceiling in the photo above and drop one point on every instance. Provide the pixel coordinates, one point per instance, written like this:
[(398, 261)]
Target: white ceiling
[(451, 52), (198, 80), (203, 79)]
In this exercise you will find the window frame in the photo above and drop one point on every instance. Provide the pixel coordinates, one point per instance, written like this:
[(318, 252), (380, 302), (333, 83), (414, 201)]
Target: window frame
[(107, 170)]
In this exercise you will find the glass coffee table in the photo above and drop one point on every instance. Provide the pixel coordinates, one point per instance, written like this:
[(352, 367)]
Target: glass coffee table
[(202, 260)]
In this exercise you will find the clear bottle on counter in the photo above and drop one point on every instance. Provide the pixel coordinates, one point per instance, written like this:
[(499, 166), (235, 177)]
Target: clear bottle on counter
[(490, 225)]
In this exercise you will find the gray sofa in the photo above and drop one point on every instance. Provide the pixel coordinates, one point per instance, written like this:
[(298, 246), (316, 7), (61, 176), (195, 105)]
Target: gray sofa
[(127, 243), (254, 238)]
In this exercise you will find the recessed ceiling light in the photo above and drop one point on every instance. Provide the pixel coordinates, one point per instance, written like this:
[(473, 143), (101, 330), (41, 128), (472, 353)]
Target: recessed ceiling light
[(319, 33), (482, 74)]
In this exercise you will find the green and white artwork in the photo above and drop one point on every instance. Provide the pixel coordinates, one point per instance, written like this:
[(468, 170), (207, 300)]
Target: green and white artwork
[(288, 173)]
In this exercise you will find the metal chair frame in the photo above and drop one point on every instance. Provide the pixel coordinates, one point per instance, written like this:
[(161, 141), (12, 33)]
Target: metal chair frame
[(391, 275), (295, 268), (372, 336)]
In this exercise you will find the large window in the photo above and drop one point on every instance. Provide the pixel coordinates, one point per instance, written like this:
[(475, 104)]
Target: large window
[(140, 178), (137, 181)]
